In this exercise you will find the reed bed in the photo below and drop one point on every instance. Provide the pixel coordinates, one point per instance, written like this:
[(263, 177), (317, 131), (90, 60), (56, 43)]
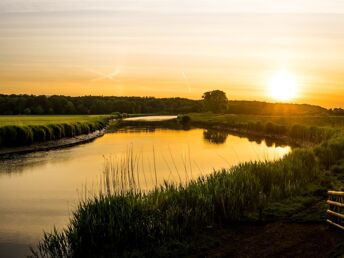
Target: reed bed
[(124, 218)]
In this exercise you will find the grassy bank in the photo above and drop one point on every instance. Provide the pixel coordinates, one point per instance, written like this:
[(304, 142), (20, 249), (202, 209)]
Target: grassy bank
[(132, 223), (126, 223), (314, 129), (26, 130)]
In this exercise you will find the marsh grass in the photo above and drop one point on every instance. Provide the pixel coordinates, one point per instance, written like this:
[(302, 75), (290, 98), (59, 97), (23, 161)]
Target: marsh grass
[(122, 174), (314, 129), (40, 130), (123, 217), (127, 172)]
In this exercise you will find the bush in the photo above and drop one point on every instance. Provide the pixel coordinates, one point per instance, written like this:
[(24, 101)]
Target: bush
[(57, 131), (16, 135), (24, 136), (39, 133), (185, 120), (69, 130), (10, 135)]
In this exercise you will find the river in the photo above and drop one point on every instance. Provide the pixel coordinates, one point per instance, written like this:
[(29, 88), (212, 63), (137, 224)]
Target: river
[(40, 190)]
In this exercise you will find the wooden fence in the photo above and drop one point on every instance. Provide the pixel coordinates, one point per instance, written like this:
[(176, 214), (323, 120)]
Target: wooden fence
[(335, 212)]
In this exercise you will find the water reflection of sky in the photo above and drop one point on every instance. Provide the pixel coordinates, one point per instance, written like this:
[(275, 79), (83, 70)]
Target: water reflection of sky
[(39, 190)]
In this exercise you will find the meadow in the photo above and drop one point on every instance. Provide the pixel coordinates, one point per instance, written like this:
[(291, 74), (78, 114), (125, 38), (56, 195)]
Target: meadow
[(30, 120), (127, 222), (26, 130)]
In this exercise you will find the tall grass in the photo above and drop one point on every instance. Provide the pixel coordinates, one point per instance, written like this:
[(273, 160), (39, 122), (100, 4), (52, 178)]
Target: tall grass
[(123, 219), (122, 174), (19, 135), (307, 129)]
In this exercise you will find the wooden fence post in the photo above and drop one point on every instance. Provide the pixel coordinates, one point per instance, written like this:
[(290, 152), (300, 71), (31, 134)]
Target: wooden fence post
[(335, 215)]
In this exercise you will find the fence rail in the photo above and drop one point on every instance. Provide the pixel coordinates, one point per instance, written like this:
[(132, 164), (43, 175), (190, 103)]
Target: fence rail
[(335, 215)]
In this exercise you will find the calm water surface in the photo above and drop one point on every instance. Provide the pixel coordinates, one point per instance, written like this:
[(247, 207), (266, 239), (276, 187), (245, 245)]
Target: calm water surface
[(39, 191), (150, 118)]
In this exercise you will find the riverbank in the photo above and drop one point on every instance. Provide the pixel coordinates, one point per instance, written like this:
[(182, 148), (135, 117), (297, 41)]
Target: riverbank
[(53, 144), (122, 224), (23, 134), (290, 190), (285, 132), (305, 131)]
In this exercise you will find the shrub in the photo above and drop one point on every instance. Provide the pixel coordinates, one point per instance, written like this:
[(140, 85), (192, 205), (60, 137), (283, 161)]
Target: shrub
[(24, 136), (185, 120), (69, 130), (39, 133), (57, 131), (16, 135), (10, 135)]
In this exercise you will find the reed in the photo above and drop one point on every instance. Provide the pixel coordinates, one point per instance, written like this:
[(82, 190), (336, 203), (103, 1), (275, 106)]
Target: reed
[(123, 217)]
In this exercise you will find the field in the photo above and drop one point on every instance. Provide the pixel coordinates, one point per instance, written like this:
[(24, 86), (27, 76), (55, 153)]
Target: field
[(129, 222), (26, 130), (47, 119)]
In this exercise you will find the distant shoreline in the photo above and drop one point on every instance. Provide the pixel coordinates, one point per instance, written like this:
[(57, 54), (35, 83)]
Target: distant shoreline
[(84, 138)]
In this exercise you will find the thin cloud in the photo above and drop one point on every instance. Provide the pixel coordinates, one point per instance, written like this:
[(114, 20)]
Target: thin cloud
[(105, 76)]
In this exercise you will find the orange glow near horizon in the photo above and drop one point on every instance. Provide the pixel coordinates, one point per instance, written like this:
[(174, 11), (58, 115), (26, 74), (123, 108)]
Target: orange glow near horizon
[(169, 49)]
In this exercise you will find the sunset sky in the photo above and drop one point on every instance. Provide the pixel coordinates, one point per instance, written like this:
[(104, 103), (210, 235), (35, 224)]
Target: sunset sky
[(167, 48)]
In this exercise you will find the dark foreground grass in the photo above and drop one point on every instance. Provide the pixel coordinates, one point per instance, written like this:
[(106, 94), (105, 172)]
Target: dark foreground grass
[(20, 131), (128, 223)]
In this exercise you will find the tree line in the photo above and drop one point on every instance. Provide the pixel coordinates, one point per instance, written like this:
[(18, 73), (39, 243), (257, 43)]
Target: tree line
[(217, 102), (39, 105), (214, 101)]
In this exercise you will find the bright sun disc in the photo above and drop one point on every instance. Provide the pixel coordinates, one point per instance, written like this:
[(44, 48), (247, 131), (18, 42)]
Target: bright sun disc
[(283, 86)]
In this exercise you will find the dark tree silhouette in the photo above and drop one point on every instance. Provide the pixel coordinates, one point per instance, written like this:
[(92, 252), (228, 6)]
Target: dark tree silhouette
[(215, 101)]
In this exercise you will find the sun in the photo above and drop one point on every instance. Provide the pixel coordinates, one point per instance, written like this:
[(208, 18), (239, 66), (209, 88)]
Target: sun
[(283, 86)]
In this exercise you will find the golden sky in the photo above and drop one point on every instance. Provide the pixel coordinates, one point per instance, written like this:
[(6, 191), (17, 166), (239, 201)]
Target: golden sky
[(167, 48)]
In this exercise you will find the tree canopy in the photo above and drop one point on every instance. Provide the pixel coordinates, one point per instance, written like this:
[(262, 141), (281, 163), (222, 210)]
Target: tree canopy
[(37, 105), (215, 101)]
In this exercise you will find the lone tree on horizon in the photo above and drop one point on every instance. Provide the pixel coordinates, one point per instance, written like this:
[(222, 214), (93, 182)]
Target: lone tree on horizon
[(215, 101)]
